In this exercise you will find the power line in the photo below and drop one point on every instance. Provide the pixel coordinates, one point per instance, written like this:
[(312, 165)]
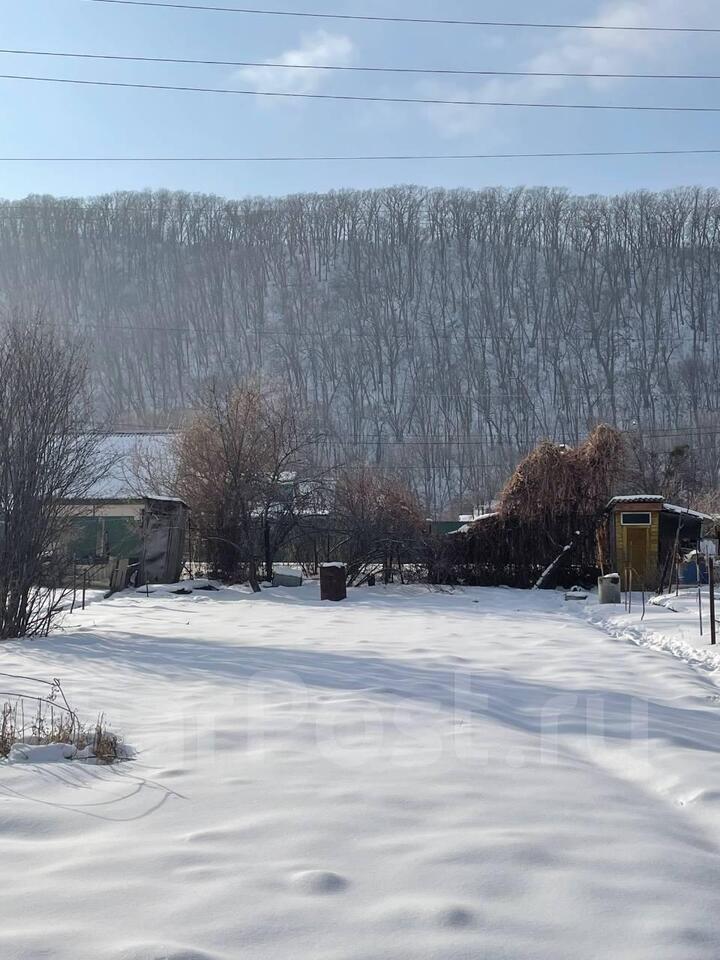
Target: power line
[(471, 394), (649, 108), (434, 71), (554, 155), (417, 20), (139, 430), (305, 336), (460, 441), (669, 433)]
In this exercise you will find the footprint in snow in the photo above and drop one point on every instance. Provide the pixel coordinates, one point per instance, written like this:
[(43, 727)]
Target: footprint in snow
[(318, 882), (455, 917)]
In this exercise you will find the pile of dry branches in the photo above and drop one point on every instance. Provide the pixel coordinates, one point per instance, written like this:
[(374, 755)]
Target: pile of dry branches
[(555, 498)]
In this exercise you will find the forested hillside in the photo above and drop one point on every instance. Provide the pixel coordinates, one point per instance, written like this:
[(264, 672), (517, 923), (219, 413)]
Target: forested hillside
[(443, 332)]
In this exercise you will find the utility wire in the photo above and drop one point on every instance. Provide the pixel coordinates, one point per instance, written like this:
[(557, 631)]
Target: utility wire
[(418, 20), (359, 69), (471, 393), (649, 108), (413, 441), (365, 157)]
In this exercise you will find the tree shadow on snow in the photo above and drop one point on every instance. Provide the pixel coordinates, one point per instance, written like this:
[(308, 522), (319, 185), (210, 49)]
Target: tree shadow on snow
[(507, 699)]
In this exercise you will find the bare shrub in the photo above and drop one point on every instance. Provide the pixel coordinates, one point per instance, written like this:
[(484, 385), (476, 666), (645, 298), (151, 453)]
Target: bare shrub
[(48, 457), (378, 522)]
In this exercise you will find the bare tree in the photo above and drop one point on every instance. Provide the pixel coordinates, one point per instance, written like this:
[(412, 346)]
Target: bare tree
[(49, 455), (244, 465), (377, 520), (662, 467)]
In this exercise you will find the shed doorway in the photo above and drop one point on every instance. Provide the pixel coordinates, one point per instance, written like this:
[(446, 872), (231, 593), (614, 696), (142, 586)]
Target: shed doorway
[(638, 554)]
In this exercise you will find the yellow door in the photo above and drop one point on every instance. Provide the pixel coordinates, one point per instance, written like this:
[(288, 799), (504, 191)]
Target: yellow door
[(637, 551)]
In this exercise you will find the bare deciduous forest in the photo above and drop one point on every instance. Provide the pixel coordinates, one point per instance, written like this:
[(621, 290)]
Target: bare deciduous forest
[(438, 333)]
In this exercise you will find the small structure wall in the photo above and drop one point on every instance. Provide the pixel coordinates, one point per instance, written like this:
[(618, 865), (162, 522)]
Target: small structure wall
[(647, 548), (143, 537), (164, 527), (637, 547)]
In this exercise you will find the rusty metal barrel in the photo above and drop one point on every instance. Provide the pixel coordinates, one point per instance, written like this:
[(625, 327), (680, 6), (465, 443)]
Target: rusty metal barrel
[(333, 581)]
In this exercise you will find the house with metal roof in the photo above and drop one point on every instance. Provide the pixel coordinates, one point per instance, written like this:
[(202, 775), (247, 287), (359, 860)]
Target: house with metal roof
[(120, 533), (114, 542)]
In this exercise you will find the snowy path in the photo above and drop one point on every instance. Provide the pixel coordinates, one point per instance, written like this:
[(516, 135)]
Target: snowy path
[(411, 774), (670, 623)]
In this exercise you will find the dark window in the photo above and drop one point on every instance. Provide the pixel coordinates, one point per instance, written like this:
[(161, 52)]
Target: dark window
[(83, 538), (636, 519), (122, 536)]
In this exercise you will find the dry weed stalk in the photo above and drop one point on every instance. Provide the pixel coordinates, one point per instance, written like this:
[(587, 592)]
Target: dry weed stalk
[(52, 720)]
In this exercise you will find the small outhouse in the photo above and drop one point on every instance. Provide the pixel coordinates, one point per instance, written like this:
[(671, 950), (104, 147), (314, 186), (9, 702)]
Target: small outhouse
[(644, 532)]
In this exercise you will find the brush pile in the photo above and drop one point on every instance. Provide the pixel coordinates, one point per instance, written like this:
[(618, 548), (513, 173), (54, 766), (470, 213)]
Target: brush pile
[(556, 497)]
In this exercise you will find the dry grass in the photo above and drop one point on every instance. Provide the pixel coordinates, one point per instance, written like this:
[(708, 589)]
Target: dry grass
[(8, 728), (50, 723), (106, 746)]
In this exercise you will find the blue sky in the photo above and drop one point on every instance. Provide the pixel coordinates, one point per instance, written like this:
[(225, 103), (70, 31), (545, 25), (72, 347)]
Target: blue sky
[(42, 119)]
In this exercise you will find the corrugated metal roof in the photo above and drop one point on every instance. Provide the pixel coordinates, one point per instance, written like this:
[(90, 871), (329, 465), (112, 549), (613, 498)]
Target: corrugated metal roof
[(674, 508), (466, 528), (120, 449), (655, 498), (638, 498), (131, 499)]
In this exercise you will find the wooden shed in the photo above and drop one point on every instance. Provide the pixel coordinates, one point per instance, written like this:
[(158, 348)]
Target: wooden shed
[(644, 532), (116, 540)]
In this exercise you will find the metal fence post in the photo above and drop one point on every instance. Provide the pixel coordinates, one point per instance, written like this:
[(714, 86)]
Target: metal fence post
[(72, 605), (699, 589), (711, 583)]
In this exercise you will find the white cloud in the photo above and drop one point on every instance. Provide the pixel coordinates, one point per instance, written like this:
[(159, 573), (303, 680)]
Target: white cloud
[(321, 47), (577, 51)]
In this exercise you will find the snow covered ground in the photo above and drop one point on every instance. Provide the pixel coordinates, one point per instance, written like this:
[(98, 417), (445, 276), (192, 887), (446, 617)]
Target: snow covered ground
[(671, 622), (430, 775)]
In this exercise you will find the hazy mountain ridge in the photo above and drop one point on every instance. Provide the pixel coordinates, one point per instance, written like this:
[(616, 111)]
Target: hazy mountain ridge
[(441, 331)]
